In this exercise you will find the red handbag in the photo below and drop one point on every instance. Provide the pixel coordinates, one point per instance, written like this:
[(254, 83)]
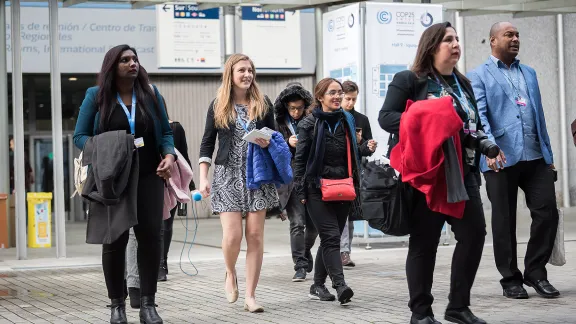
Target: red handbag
[(340, 189)]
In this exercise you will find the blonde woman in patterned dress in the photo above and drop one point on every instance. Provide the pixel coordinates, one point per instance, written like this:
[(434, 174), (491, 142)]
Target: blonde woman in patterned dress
[(239, 107)]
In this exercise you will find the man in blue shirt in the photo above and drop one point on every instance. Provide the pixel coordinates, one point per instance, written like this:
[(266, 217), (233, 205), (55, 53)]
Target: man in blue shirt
[(510, 107)]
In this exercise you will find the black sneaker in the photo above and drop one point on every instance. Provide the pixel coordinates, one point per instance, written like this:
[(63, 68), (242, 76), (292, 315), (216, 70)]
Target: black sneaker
[(321, 293), (344, 294), (310, 261), (300, 275)]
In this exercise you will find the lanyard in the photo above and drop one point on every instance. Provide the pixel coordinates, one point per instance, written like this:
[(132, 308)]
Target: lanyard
[(509, 78), (470, 113), (290, 124), (130, 114), (243, 124), (335, 127)]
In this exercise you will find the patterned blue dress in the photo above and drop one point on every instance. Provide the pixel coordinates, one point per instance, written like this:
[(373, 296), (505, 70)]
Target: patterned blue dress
[(229, 191)]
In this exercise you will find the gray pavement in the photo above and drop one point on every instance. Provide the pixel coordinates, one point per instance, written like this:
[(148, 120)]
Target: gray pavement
[(47, 290)]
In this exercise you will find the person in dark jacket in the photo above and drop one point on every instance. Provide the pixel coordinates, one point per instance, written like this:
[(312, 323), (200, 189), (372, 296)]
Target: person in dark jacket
[(132, 276), (363, 134), (124, 100), (321, 153), (290, 109), (434, 75)]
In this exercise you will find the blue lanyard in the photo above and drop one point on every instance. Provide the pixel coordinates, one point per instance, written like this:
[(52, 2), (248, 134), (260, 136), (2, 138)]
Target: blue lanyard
[(130, 114), (516, 88), (243, 124), (335, 127), (462, 98), (290, 122)]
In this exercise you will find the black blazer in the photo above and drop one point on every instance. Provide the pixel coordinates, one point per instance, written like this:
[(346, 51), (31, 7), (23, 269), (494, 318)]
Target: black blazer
[(405, 86), (225, 135)]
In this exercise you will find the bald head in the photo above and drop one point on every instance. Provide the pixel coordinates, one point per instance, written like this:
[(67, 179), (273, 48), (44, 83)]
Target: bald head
[(504, 41)]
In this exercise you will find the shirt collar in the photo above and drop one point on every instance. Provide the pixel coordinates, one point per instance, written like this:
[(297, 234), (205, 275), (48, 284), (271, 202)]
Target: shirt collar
[(501, 64)]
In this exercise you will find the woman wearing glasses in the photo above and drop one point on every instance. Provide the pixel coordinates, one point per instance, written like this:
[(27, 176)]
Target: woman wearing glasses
[(327, 152)]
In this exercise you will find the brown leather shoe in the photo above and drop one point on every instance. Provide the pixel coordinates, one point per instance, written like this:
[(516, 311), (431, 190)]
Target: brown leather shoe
[(346, 261)]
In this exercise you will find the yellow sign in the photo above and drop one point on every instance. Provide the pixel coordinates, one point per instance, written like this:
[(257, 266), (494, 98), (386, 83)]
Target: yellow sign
[(39, 219)]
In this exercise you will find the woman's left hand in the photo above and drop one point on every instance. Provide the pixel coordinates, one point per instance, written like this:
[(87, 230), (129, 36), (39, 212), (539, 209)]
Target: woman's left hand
[(163, 169), (262, 142)]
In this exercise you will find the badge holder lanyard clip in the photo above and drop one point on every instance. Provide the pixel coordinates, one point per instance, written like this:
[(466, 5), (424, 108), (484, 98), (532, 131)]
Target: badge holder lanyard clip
[(131, 115)]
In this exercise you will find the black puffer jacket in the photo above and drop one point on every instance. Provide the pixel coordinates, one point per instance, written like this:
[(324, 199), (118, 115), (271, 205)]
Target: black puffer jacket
[(291, 93)]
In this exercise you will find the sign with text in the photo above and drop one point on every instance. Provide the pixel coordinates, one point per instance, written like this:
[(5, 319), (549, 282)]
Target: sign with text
[(392, 33), (342, 45), (271, 38), (188, 37)]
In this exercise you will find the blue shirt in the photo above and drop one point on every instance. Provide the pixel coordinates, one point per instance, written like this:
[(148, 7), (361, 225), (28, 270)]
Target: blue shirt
[(517, 83)]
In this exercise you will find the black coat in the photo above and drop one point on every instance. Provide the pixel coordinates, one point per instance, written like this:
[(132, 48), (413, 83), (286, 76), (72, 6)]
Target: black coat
[(405, 86), (225, 134), (292, 93)]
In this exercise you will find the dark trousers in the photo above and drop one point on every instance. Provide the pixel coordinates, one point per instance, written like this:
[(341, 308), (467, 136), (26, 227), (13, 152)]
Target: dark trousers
[(536, 179), (469, 232), (150, 206), (166, 236), (329, 219), (302, 231)]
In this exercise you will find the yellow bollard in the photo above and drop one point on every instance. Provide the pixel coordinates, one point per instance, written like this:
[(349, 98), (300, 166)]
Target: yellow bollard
[(39, 219)]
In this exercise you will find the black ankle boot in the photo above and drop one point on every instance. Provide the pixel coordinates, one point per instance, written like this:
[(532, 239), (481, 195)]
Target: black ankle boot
[(118, 312), (134, 294), (148, 314)]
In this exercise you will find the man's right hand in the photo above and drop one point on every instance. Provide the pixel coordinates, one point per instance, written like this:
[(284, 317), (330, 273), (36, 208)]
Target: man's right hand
[(497, 164), (293, 140)]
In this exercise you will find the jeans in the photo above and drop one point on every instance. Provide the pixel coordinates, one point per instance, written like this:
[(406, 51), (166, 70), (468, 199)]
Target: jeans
[(329, 219), (347, 236), (302, 231)]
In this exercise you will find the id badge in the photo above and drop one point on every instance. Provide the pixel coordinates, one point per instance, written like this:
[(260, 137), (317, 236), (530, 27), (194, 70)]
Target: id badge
[(472, 127), (521, 101), (139, 142)]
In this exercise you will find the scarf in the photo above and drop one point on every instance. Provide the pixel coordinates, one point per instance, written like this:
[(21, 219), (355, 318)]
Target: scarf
[(315, 160)]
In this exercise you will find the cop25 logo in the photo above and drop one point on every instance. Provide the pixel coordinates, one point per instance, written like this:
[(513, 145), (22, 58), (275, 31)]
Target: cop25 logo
[(330, 25), (384, 17), (426, 19)]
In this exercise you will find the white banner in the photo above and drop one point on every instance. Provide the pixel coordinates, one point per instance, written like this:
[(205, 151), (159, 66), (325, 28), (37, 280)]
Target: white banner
[(188, 37), (342, 46), (272, 38), (392, 35)]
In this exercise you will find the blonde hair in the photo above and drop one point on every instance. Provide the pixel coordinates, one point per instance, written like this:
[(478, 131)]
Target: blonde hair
[(224, 112)]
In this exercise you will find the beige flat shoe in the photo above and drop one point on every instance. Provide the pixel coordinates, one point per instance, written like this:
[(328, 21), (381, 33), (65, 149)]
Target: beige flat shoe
[(231, 296), (254, 308)]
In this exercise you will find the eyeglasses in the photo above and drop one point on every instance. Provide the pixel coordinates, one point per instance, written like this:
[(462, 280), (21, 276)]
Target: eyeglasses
[(295, 108), (334, 93)]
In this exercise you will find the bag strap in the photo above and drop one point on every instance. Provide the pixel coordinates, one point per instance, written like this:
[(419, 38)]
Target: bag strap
[(348, 153)]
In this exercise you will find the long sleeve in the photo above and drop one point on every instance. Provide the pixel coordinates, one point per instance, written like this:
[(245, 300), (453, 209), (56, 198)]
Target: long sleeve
[(209, 138), (305, 136), (481, 102), (399, 91), (85, 122), (167, 141)]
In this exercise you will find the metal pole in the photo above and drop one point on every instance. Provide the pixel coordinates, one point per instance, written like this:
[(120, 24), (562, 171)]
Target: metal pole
[(57, 142), (318, 12), (460, 29), (362, 73), (563, 122), (4, 148), (18, 124), (229, 30)]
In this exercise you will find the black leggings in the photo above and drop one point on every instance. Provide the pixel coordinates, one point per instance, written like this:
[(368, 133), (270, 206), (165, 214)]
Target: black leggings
[(150, 202), (166, 236)]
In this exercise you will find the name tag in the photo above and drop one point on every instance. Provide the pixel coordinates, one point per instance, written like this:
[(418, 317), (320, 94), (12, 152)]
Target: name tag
[(139, 142), (473, 127), (521, 101)]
